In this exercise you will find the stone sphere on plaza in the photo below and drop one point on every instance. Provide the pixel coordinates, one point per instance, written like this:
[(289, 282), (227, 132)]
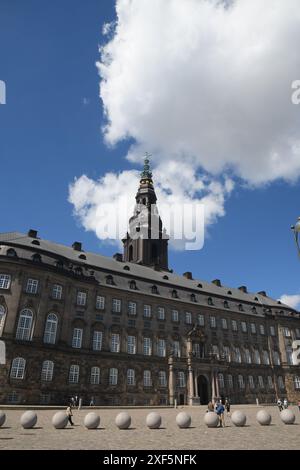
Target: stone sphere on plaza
[(28, 419), (153, 420), (60, 420), (287, 416), (91, 420), (2, 418), (183, 420), (263, 418), (238, 418), (211, 419), (123, 420)]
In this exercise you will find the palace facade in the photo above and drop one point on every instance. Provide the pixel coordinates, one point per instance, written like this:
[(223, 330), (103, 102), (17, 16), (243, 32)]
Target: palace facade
[(128, 331)]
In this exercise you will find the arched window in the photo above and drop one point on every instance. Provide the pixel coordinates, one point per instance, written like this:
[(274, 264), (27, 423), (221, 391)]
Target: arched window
[(132, 285), (241, 308), (266, 357), (36, 258), (276, 358), (226, 304), (280, 382), (241, 381), (50, 329), (154, 290), (109, 280), (95, 376), (147, 378), (18, 368), (193, 298), (2, 318), (257, 356), (130, 377), (221, 380), (24, 329), (162, 378), (11, 253), (237, 355), (174, 294), (247, 356), (210, 301), (47, 371), (181, 379), (113, 376)]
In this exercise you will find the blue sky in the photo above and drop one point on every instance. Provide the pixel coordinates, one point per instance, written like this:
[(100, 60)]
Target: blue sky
[(50, 133)]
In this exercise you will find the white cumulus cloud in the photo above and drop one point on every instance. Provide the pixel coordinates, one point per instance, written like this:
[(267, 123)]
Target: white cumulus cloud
[(291, 300)]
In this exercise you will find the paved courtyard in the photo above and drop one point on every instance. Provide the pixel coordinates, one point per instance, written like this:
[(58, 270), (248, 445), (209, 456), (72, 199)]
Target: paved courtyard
[(252, 436)]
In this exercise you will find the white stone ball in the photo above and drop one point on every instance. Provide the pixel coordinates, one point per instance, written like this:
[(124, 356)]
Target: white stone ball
[(183, 420), (264, 418), (28, 419), (287, 416), (238, 418), (211, 419), (91, 420), (60, 420), (123, 420), (2, 418), (153, 420)]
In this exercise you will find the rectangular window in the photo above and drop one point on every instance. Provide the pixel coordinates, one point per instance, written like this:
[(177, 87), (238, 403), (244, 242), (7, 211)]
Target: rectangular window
[(131, 344), (113, 376), (161, 348), (230, 381), (270, 382), (213, 322), (147, 311), (234, 325), (176, 349), (115, 343), (287, 332), (147, 378), (175, 316), (100, 302), (77, 338), (226, 352), (251, 382), (181, 379), (95, 376), (161, 313), (272, 330), (261, 382), (147, 347), (224, 323), (244, 326), (132, 308), (32, 286), (188, 318), (297, 382), (262, 329), (4, 281), (130, 377), (241, 382), (116, 305), (97, 340), (162, 378), (200, 319), (74, 374), (253, 328), (81, 298), (56, 292)]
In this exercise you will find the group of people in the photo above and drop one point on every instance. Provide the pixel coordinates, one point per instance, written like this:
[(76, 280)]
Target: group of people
[(219, 409), (282, 405), (74, 402)]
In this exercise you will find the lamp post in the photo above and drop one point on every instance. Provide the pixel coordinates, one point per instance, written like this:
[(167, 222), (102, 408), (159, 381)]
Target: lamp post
[(296, 230)]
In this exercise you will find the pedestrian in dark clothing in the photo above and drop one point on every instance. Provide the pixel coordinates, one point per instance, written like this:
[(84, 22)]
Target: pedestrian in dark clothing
[(70, 414), (227, 406), (220, 412)]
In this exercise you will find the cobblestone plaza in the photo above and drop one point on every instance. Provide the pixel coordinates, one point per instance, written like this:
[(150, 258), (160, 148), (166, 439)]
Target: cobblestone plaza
[(277, 436)]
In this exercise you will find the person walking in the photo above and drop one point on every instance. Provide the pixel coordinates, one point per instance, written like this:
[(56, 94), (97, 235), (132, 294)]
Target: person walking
[(285, 403), (279, 404), (69, 414), (227, 406), (220, 412), (92, 402)]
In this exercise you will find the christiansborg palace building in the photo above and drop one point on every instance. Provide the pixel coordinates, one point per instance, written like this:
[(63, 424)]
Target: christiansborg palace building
[(127, 330)]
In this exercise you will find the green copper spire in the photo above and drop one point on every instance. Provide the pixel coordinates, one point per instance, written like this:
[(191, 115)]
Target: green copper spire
[(146, 173)]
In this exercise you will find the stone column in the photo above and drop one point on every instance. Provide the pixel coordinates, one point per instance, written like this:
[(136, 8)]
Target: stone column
[(190, 372), (213, 388), (171, 381), (196, 387), (217, 385)]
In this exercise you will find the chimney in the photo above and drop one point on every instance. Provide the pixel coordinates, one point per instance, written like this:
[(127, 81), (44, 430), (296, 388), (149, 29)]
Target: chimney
[(243, 289), (77, 246), (262, 292), (118, 256), (188, 275), (32, 233), (217, 282)]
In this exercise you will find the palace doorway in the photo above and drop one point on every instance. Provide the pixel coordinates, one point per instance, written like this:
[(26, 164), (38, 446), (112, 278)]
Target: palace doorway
[(203, 389)]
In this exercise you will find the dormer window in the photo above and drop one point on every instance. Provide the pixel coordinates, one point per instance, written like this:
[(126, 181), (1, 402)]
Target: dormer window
[(110, 280), (11, 253), (82, 256), (165, 277), (174, 294), (132, 285), (35, 242), (200, 286), (154, 290), (229, 292), (256, 298), (127, 268), (210, 301)]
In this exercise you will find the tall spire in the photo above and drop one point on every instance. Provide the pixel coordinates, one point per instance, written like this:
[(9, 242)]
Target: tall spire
[(146, 173)]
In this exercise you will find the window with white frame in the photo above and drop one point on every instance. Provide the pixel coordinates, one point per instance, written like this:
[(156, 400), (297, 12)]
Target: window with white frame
[(176, 348), (131, 344), (212, 321), (281, 383), (77, 338), (226, 352), (100, 302), (196, 350), (5, 280), (247, 356), (272, 330), (74, 374), (147, 378), (261, 382), (287, 332), (47, 371), (230, 381), (18, 368), (200, 319), (116, 305), (95, 375), (266, 358), (32, 286), (147, 311), (132, 308), (162, 378), (261, 329), (97, 340), (25, 323), (276, 358), (253, 328), (161, 313), (50, 329), (161, 347), (251, 382), (224, 323), (244, 326), (257, 359), (56, 292), (215, 351), (234, 325), (221, 380), (289, 355), (188, 318), (2, 318), (113, 376), (297, 382), (175, 315), (270, 382), (181, 379), (147, 346), (81, 298), (241, 381), (130, 377), (115, 343), (237, 355)]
